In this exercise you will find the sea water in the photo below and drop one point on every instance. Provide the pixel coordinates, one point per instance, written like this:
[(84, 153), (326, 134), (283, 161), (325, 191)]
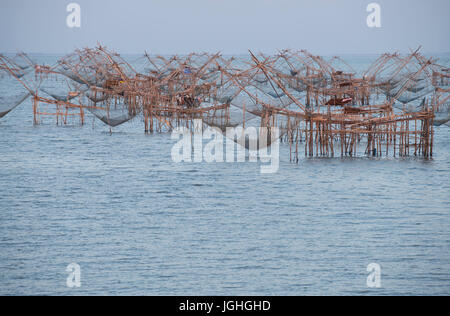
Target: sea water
[(138, 223)]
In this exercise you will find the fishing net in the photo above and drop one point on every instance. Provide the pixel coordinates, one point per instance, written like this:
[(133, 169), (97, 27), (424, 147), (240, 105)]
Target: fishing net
[(442, 115), (94, 67), (96, 97), (112, 117), (441, 119), (408, 97), (62, 89), (9, 103), (232, 117)]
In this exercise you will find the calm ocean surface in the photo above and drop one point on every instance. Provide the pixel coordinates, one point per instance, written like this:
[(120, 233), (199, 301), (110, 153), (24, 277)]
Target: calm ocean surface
[(138, 223)]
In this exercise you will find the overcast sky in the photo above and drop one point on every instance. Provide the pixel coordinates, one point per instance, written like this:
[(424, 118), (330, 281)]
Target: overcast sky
[(229, 26)]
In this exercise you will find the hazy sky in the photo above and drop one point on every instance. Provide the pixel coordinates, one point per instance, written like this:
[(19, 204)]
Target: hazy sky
[(229, 26)]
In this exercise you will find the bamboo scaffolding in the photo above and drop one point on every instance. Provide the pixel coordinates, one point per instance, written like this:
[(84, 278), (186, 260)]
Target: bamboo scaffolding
[(314, 103)]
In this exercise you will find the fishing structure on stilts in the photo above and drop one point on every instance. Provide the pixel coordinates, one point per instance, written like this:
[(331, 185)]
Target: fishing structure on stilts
[(321, 104)]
